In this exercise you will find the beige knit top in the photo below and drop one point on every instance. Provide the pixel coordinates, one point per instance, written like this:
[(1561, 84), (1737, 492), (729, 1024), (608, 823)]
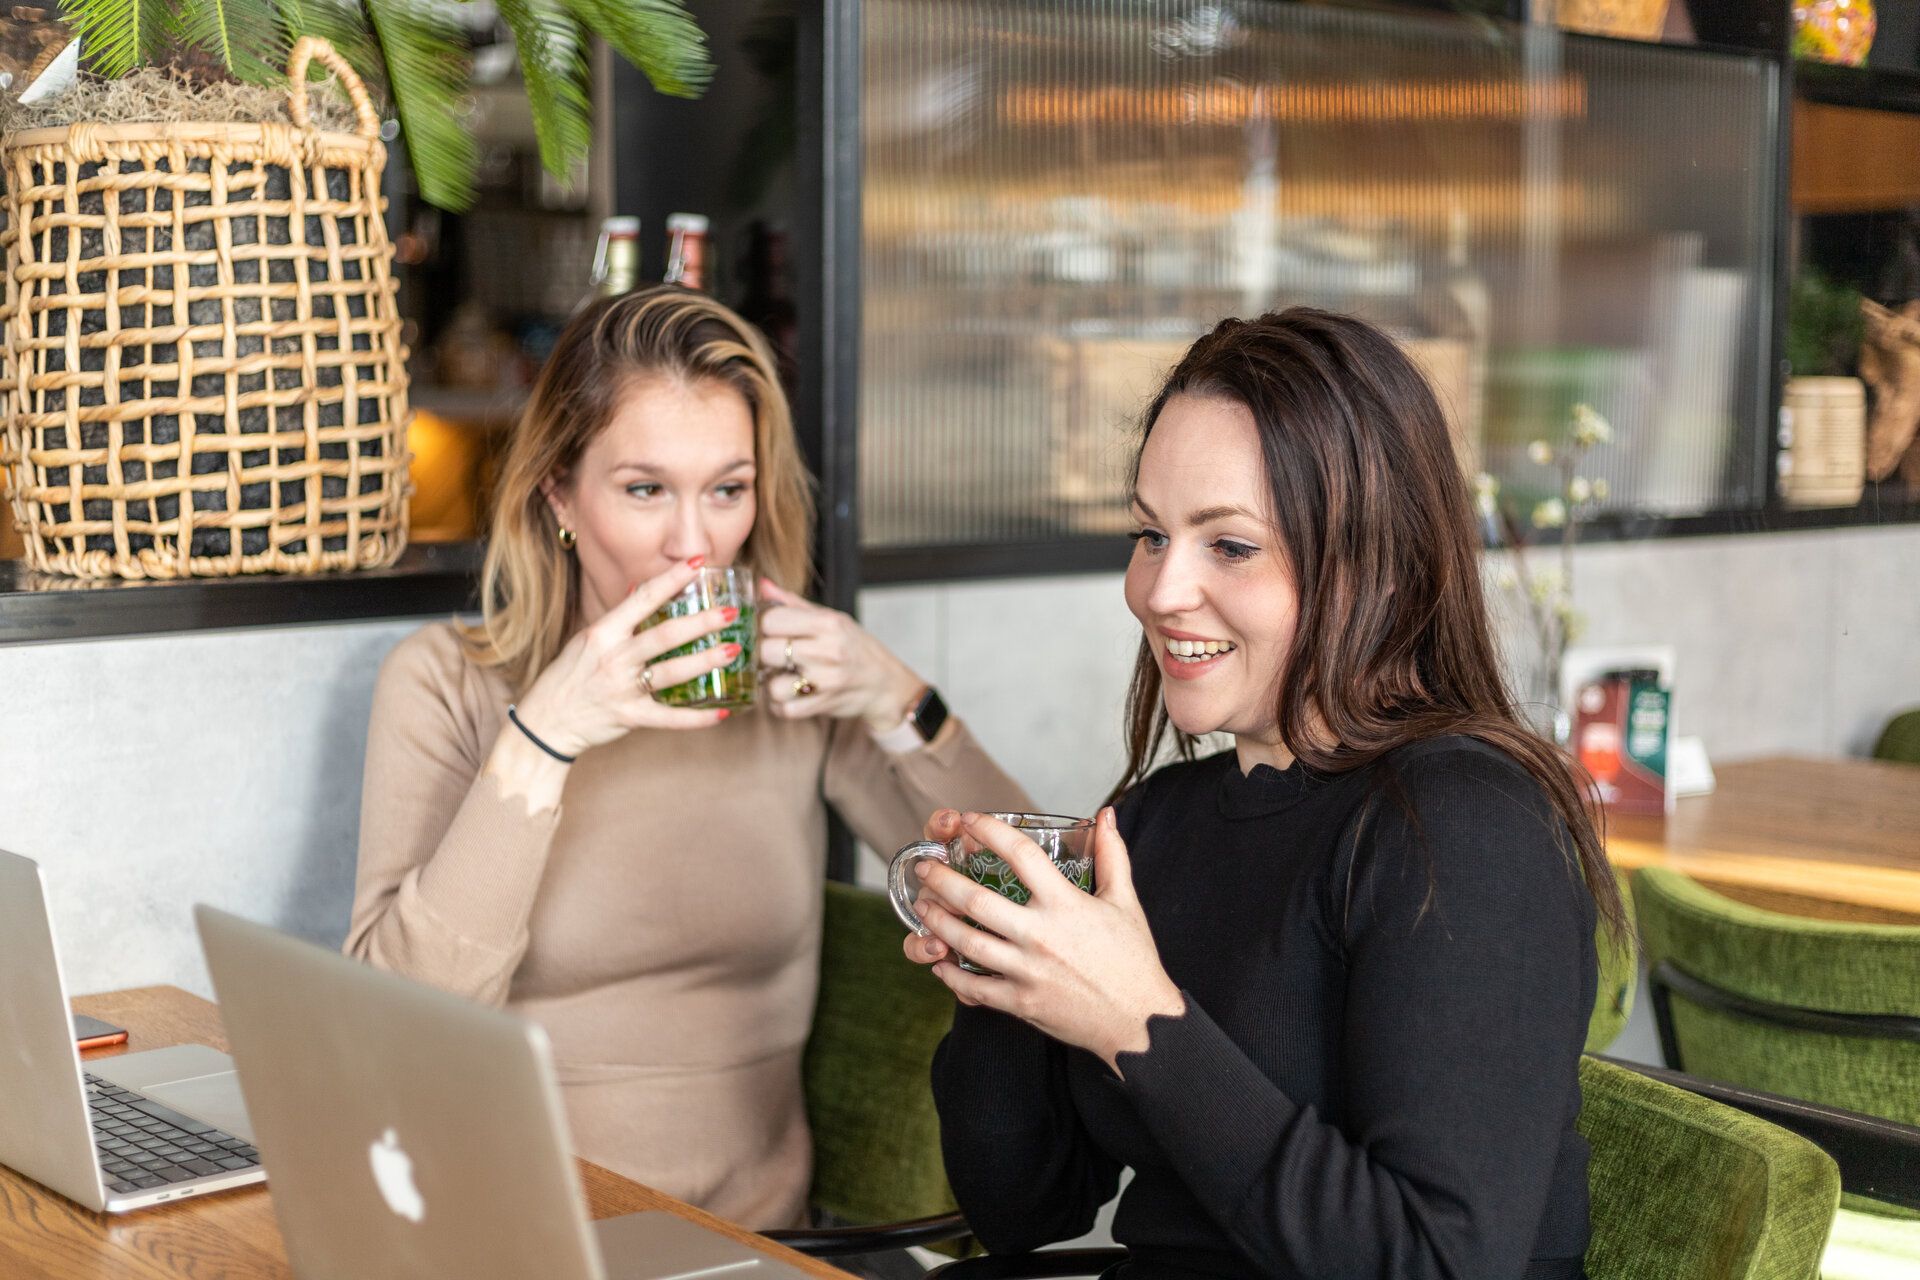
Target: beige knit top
[(663, 924)]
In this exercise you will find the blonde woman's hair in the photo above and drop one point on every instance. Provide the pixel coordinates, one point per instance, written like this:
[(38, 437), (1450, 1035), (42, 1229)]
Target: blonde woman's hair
[(530, 585)]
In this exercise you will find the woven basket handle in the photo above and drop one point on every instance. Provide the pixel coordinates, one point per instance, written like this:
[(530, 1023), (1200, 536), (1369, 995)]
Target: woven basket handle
[(305, 50)]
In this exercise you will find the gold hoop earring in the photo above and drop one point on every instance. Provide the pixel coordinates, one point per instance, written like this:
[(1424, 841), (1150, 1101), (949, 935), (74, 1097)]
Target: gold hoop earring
[(568, 537)]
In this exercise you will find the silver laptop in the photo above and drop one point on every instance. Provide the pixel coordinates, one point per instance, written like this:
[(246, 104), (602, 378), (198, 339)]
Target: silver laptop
[(412, 1133), (118, 1133)]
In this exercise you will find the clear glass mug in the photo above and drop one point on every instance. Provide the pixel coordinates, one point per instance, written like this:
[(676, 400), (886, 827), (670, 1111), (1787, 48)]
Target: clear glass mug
[(1067, 842), (735, 684)]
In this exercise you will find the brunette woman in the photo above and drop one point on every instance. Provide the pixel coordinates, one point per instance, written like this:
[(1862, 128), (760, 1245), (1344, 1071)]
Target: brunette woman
[(1329, 999)]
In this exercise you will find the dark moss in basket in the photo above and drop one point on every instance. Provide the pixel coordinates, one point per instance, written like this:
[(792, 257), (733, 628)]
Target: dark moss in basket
[(166, 507), (206, 463), (93, 359), (247, 271), (93, 435), (333, 486), (56, 250)]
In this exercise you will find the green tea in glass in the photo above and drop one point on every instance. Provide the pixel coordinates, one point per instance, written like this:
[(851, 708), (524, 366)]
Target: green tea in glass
[(730, 686), (1067, 843)]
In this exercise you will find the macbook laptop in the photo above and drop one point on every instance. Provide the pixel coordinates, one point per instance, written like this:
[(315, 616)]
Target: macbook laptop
[(115, 1133), (412, 1133)]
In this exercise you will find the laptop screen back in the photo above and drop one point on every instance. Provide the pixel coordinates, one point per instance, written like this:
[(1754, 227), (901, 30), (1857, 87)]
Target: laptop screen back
[(405, 1131), (44, 1129)]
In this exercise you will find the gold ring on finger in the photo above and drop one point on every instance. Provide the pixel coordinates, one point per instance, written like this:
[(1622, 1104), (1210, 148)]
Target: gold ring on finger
[(789, 662), (802, 686), (646, 680)]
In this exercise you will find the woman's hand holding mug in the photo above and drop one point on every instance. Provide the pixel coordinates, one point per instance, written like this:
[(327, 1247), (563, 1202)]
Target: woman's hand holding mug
[(822, 663), (1082, 967), (601, 685)]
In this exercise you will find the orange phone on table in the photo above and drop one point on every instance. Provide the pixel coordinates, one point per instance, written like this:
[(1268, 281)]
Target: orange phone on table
[(91, 1033)]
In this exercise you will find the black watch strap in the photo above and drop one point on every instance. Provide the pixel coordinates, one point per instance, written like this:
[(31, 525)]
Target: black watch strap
[(929, 714)]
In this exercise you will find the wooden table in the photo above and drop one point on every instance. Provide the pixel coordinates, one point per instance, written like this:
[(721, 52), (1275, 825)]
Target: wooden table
[(230, 1235), (1838, 839)]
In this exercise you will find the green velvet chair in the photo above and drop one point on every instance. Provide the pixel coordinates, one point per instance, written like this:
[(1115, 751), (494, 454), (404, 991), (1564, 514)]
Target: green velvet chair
[(876, 1136), (1619, 971), (1683, 1187), (1819, 1010), (1900, 740)]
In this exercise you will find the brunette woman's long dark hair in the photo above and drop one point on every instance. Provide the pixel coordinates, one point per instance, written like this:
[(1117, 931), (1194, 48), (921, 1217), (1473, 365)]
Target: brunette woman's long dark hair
[(1394, 644)]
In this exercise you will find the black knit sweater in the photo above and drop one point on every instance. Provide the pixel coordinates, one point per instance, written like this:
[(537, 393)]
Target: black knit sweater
[(1388, 974)]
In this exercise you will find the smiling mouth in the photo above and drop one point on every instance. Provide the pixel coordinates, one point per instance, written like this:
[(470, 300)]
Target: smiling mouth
[(1194, 651)]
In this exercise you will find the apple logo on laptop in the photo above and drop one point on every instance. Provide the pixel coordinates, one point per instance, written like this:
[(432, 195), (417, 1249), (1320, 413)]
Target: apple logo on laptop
[(393, 1174)]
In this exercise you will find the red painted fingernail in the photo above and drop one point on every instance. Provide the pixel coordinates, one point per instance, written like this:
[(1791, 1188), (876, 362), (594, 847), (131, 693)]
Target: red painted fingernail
[(696, 562), (730, 613), (724, 713), (731, 650)]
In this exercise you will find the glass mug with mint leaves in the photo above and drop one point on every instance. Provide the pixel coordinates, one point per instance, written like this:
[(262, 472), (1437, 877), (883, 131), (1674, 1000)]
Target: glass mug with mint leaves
[(1067, 842), (733, 685)]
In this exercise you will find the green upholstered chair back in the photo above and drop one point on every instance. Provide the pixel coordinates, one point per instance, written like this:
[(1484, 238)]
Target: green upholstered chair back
[(876, 1138), (1619, 971), (1822, 965), (1682, 1186), (1900, 740)]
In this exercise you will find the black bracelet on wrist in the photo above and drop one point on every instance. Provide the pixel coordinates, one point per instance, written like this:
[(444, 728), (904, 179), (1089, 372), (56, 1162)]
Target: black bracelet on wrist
[(534, 738)]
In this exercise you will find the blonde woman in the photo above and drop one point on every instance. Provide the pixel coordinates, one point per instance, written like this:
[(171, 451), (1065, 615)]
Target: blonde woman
[(645, 880)]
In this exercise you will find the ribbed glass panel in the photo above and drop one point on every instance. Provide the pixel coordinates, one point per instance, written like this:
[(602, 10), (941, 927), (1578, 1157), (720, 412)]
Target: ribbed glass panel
[(1061, 194)]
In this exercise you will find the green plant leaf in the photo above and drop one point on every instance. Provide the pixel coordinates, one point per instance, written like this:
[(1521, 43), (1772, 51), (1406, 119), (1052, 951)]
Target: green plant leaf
[(119, 35), (658, 36), (242, 34), (344, 26), (428, 75), (553, 65)]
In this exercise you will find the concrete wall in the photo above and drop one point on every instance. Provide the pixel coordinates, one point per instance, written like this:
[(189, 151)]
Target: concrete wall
[(150, 773)]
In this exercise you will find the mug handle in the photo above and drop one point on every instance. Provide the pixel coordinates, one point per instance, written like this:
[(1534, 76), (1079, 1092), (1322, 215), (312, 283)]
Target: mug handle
[(898, 887)]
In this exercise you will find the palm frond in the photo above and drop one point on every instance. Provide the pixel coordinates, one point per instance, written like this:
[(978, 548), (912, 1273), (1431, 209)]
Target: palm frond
[(428, 75), (553, 65), (119, 35), (342, 25), (658, 36), (242, 34)]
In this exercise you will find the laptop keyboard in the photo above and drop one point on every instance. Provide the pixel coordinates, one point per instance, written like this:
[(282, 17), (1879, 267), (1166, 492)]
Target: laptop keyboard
[(143, 1145)]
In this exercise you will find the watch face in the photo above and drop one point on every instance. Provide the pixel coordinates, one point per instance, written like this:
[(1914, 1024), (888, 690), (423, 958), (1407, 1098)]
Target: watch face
[(930, 714)]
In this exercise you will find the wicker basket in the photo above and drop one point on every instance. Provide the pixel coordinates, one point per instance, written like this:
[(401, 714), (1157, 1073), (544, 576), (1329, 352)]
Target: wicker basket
[(204, 374)]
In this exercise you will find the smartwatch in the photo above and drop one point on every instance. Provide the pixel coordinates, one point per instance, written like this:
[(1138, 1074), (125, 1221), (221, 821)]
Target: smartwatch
[(918, 726)]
